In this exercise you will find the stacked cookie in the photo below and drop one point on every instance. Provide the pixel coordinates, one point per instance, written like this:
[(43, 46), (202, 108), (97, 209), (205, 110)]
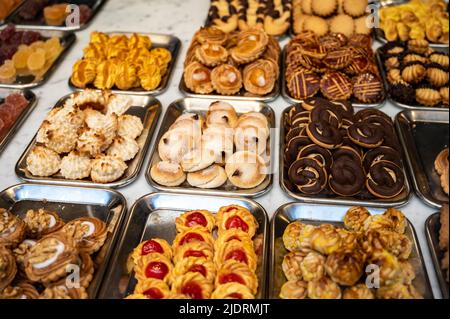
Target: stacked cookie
[(417, 74), (40, 254), (273, 16), (333, 152), (323, 16), (335, 66), (245, 63), (207, 152), (197, 266)]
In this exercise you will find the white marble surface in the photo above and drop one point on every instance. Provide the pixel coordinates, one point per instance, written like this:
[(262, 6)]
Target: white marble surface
[(180, 18)]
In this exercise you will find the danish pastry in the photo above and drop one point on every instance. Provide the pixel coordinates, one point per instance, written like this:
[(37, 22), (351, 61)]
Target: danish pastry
[(235, 272), (195, 234), (152, 246), (154, 266), (152, 289), (88, 233), (42, 222), (12, 229), (193, 285), (260, 77), (202, 266)]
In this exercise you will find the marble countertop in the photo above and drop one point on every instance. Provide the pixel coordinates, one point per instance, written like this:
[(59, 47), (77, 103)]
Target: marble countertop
[(180, 18)]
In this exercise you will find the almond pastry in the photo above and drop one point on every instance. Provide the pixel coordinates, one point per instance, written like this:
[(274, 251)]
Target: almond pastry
[(12, 229), (292, 266), (359, 291), (60, 291), (313, 267), (89, 233), (325, 239), (398, 291), (41, 223), (294, 290), (355, 218), (324, 288), (7, 266)]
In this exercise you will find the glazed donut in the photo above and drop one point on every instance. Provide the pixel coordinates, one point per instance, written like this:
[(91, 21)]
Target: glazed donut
[(366, 135), (309, 176), (385, 180), (382, 153), (327, 114), (347, 177), (325, 135), (197, 218), (322, 155)]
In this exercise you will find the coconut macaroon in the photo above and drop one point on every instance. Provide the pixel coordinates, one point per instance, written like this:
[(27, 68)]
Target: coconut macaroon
[(108, 124), (91, 142), (67, 116), (124, 148), (107, 169), (57, 137), (76, 166), (118, 104), (130, 126), (43, 162)]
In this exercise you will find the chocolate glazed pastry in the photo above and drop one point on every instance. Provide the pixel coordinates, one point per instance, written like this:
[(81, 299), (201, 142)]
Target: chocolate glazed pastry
[(347, 177), (296, 131), (313, 102), (347, 153), (294, 146), (301, 119), (308, 175), (366, 113), (383, 153), (322, 155), (385, 180), (366, 135), (325, 135), (347, 110), (326, 114)]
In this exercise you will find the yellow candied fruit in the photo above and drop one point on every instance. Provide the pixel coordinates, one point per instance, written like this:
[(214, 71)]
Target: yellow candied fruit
[(137, 41), (36, 60), (52, 48), (37, 45), (126, 76), (20, 59), (84, 72), (162, 54), (106, 75), (7, 72)]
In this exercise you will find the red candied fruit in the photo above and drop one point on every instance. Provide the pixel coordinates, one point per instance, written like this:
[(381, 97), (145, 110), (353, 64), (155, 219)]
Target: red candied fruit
[(191, 237), (238, 255), (153, 293), (156, 270), (235, 295), (192, 290), (236, 222), (150, 247), (199, 269), (196, 219), (194, 253), (229, 278)]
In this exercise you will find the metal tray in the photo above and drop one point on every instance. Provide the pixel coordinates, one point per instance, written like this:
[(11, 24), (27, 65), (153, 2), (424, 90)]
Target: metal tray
[(169, 42), (433, 226), (423, 135), (16, 19), (400, 200), (380, 33), (317, 215), (72, 203), (32, 101), (67, 40), (242, 96), (146, 108), (399, 104), (290, 99), (200, 106), (2, 22), (153, 216)]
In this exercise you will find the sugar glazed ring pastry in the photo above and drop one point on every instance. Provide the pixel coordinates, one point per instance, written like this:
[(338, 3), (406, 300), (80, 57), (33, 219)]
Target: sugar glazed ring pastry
[(208, 178), (88, 233), (226, 79), (168, 174), (246, 170), (47, 261), (154, 266), (152, 246), (193, 285), (235, 272), (41, 223), (232, 291), (152, 289), (12, 229), (7, 266), (198, 218)]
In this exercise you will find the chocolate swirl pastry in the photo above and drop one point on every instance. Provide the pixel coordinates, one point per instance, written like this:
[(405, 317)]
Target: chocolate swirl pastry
[(369, 113), (309, 176), (295, 146), (311, 103), (347, 177), (295, 132), (366, 135), (382, 153), (327, 114), (347, 153), (301, 119), (385, 180), (324, 134), (346, 109), (322, 155)]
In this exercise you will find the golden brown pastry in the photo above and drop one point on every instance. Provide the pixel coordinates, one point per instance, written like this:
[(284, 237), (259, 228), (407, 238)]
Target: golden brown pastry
[(444, 91), (8, 268), (413, 72), (360, 291), (378, 222), (88, 233), (398, 291), (324, 288), (152, 289), (389, 266), (260, 77), (211, 35), (343, 24), (251, 45), (294, 290), (437, 76), (193, 285), (441, 165), (291, 236), (12, 229), (325, 239), (226, 79), (211, 54), (428, 96), (355, 218), (232, 290), (154, 266), (313, 266), (398, 219), (316, 24), (233, 271), (42, 222), (345, 268), (292, 266)]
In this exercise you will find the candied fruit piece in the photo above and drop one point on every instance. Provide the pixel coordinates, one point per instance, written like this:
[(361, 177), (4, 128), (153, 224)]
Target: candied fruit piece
[(30, 37), (52, 48), (7, 72), (21, 57), (36, 61)]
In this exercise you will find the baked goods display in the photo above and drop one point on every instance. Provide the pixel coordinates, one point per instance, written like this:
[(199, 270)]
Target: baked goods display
[(26, 53), (416, 73), (40, 252), (348, 17), (51, 12), (273, 16), (207, 151), (333, 66), (7, 6), (416, 20), (443, 240), (121, 62), (11, 107), (325, 261), (90, 137), (333, 152), (441, 166), (211, 257), (242, 63)]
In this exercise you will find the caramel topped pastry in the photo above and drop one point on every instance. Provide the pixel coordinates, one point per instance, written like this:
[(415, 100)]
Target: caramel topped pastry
[(211, 54), (226, 79), (260, 77), (211, 35), (198, 78), (8, 268), (89, 233), (42, 222), (251, 45), (313, 266), (339, 58), (303, 84)]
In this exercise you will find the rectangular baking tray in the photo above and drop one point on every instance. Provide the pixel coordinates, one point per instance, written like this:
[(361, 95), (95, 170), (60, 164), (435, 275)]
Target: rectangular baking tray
[(433, 226), (169, 42), (290, 99), (2, 22), (72, 203), (320, 214), (399, 104), (32, 101), (200, 106), (380, 33), (153, 216), (146, 108), (400, 200), (16, 19), (67, 40), (423, 135)]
